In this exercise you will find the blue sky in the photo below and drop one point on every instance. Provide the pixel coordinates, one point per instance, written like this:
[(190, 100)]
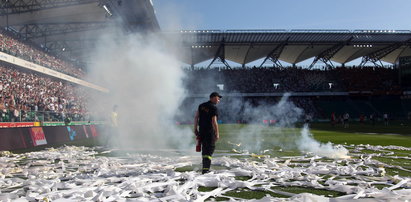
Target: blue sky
[(283, 14)]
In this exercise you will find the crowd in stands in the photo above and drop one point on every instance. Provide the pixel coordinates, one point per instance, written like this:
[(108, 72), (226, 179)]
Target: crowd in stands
[(293, 79), (369, 80), (378, 80), (29, 96), (29, 52)]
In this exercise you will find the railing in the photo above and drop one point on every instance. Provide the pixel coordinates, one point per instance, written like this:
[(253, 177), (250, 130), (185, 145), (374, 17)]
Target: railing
[(299, 94), (41, 116), (4, 57), (295, 31)]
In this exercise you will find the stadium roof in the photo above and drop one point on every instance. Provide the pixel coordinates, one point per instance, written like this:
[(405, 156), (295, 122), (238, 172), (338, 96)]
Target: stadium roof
[(69, 28), (294, 46)]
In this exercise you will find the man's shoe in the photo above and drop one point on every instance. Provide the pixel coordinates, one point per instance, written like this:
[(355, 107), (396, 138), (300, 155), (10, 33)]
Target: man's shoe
[(205, 171)]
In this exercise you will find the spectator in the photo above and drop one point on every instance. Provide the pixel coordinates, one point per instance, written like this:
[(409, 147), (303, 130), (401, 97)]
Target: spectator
[(28, 51), (333, 119), (27, 91), (346, 119), (385, 119), (372, 119)]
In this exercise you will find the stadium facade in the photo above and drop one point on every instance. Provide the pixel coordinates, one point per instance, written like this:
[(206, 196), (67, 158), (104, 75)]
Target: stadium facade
[(294, 46)]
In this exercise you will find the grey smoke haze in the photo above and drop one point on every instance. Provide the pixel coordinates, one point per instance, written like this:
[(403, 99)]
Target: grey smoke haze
[(256, 137), (145, 81)]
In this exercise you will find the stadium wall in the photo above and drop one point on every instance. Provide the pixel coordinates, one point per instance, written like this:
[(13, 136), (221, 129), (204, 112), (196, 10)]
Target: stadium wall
[(29, 137)]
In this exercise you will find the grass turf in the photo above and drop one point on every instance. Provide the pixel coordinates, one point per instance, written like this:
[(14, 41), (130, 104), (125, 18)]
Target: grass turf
[(323, 132), (356, 134), (395, 134)]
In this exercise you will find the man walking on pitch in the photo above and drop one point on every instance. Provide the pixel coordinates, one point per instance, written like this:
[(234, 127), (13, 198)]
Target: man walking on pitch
[(206, 128)]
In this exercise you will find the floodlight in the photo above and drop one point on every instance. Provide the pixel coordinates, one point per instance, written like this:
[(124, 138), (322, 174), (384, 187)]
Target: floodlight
[(107, 10)]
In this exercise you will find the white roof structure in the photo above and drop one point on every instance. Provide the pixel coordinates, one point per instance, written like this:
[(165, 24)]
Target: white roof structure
[(294, 46), (68, 28)]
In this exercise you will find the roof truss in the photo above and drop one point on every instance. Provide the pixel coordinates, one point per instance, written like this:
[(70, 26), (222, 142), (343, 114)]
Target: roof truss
[(39, 30), (375, 57), (10, 7)]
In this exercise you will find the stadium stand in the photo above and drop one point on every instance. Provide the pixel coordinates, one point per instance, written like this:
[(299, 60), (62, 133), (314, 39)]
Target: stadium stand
[(293, 79), (388, 105), (368, 90), (27, 51), (28, 96)]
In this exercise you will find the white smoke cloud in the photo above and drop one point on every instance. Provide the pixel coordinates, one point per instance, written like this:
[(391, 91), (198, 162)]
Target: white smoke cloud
[(308, 144), (256, 137), (145, 81)]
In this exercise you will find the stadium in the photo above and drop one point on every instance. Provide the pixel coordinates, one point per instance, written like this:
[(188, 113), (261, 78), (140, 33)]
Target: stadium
[(98, 103)]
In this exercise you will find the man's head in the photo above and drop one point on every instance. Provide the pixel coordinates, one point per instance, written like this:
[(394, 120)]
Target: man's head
[(215, 97)]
